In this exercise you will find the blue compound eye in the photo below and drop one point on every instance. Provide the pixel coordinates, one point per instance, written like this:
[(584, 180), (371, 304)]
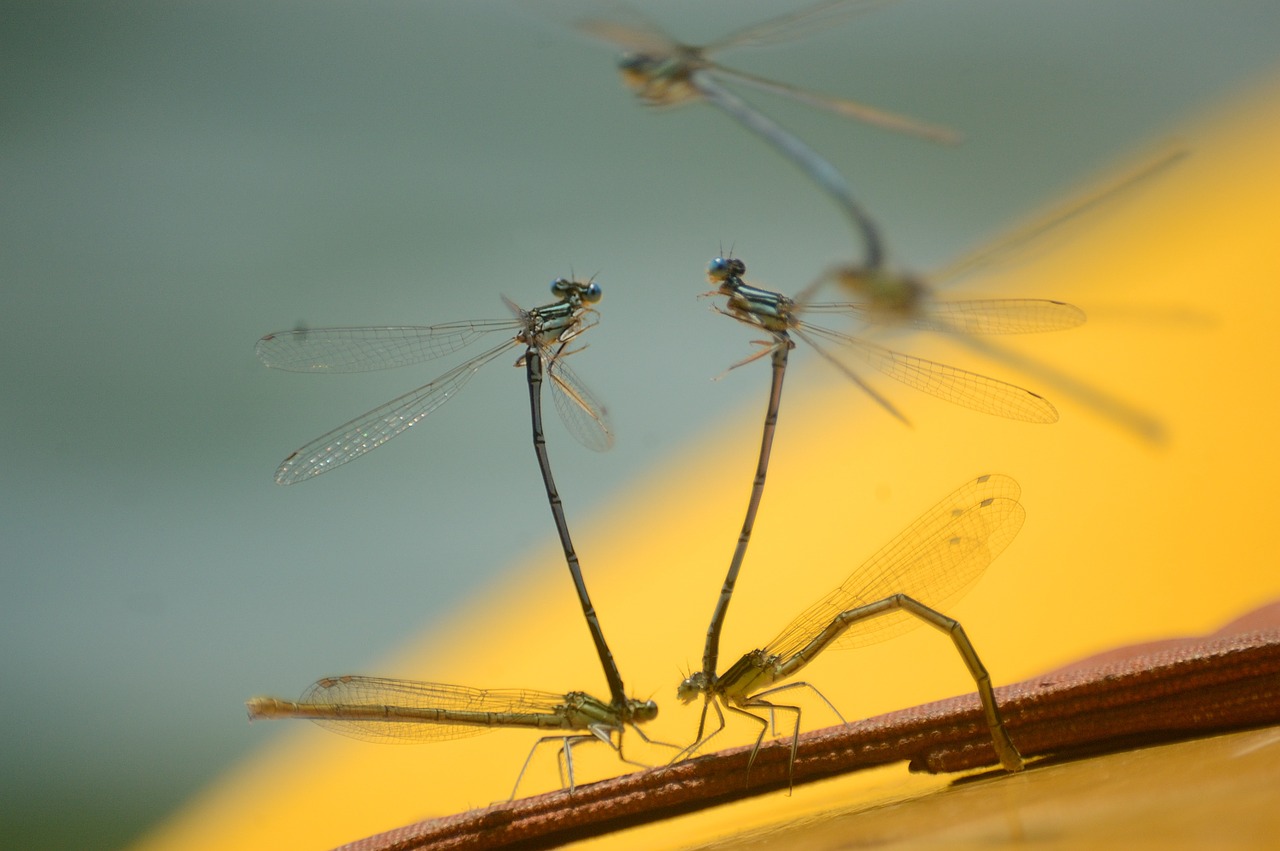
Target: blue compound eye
[(564, 288), (721, 268), (636, 63)]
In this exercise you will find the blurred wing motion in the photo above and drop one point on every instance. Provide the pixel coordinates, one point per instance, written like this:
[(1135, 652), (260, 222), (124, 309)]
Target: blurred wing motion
[(977, 316), (949, 383), (1005, 248), (674, 61), (635, 34), (802, 23)]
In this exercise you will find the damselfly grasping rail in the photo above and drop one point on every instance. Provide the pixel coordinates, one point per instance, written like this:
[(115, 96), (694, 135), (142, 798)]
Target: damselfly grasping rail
[(932, 563), (406, 711), (545, 332), (780, 317)]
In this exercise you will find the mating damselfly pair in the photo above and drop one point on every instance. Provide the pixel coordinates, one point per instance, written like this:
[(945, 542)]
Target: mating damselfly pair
[(390, 709), (925, 568)]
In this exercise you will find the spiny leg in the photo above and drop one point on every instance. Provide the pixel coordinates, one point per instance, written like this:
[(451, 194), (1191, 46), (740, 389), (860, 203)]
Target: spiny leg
[(605, 734), (565, 743), (764, 728), (699, 740), (807, 685), (756, 701), (647, 740)]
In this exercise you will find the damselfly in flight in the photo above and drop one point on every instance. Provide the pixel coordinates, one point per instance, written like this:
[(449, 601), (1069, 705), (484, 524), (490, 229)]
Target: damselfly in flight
[(780, 317), (885, 297), (664, 72)]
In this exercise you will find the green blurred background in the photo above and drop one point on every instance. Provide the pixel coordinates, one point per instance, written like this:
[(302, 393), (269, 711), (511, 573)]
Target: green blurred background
[(179, 178)]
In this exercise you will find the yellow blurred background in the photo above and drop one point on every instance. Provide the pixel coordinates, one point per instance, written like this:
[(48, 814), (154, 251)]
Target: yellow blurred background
[(1124, 541)]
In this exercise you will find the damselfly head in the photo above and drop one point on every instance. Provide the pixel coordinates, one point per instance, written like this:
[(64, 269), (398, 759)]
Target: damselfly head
[(637, 68), (657, 80), (723, 269), (566, 289), (692, 686), (642, 710)]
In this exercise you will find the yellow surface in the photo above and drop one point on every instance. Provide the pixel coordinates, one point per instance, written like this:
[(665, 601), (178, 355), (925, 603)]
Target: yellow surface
[(1123, 541), (1209, 793)]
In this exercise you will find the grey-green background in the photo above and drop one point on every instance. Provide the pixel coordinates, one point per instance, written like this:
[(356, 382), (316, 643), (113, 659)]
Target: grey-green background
[(178, 178)]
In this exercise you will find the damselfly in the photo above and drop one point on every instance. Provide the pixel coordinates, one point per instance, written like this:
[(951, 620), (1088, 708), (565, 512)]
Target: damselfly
[(931, 564), (664, 72), (405, 711), (779, 316), (549, 329), (546, 334), (885, 297)]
